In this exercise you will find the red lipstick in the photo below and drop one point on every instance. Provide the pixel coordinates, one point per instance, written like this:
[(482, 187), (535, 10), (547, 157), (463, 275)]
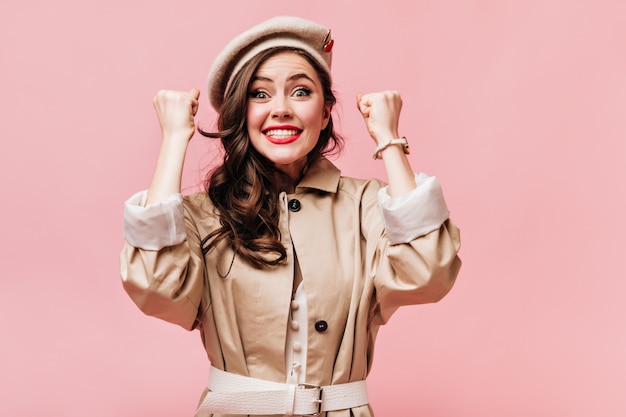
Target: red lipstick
[(282, 134)]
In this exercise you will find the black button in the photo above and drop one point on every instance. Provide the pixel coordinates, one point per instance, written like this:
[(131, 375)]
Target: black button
[(321, 326), (294, 205)]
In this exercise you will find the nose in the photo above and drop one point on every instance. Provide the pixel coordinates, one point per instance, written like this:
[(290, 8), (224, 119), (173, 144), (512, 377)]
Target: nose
[(281, 109)]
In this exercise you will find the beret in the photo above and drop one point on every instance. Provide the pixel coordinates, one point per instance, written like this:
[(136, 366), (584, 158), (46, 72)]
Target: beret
[(282, 31)]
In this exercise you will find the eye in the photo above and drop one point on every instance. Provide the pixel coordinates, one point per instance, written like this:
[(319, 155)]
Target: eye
[(258, 94), (302, 92)]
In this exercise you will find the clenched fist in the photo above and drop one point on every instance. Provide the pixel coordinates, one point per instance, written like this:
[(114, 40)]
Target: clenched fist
[(176, 111), (381, 112)]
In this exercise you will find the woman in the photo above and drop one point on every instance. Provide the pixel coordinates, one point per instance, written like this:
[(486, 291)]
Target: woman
[(286, 268)]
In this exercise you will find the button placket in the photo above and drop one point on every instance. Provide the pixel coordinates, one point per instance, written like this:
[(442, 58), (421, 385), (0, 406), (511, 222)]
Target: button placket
[(296, 338)]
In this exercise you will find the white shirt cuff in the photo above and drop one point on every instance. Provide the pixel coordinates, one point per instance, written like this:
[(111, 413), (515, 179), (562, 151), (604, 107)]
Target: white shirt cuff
[(416, 213), (155, 226)]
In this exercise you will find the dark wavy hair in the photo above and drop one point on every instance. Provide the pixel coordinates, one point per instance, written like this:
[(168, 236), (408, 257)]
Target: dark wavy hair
[(246, 187)]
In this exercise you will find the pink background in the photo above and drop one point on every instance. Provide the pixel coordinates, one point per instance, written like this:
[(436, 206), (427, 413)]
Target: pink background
[(519, 107)]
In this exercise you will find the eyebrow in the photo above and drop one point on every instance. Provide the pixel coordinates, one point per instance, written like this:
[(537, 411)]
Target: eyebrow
[(291, 78)]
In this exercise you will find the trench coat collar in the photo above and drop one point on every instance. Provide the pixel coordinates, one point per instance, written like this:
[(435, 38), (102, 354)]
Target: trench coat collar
[(322, 175)]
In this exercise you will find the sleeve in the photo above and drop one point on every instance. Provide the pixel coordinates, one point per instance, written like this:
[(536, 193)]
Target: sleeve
[(155, 226), (161, 264), (416, 213), (412, 247)]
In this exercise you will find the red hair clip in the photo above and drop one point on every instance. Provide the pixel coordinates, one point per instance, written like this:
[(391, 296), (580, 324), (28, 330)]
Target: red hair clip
[(328, 42)]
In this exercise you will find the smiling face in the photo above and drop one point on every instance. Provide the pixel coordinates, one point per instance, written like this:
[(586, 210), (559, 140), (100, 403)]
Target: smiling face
[(286, 111)]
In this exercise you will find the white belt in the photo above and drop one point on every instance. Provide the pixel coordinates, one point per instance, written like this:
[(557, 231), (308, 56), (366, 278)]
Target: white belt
[(236, 394)]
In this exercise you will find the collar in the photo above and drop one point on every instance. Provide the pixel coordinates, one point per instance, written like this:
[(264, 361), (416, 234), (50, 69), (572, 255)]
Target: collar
[(322, 175)]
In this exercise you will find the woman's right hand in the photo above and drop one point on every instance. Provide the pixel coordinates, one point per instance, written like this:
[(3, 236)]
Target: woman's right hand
[(176, 111)]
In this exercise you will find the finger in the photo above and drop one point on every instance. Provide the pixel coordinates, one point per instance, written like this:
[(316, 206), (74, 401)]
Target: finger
[(158, 98), (362, 105), (195, 94)]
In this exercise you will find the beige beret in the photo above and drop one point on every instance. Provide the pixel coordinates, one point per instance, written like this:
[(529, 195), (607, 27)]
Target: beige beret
[(277, 32)]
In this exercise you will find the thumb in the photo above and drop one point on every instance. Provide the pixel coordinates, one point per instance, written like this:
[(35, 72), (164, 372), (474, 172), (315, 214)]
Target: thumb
[(195, 93), (363, 108)]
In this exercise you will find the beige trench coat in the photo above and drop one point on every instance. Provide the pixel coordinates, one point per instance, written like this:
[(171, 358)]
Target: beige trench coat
[(354, 280)]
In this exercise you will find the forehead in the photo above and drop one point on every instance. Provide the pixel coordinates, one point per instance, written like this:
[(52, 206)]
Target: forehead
[(286, 64)]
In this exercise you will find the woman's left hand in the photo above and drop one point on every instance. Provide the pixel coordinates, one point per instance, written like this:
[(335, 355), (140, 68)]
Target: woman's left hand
[(381, 112)]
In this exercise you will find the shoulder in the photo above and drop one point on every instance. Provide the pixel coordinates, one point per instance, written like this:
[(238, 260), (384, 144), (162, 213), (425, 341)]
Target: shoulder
[(360, 189), (199, 208), (324, 176), (198, 199)]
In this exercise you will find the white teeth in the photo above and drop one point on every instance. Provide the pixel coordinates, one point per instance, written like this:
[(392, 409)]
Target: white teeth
[(281, 133)]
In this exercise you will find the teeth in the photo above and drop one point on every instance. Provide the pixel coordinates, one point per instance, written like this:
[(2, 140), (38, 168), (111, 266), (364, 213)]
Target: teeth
[(281, 133)]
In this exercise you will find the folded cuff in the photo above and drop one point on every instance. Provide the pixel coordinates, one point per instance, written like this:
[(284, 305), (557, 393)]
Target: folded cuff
[(155, 226), (416, 213)]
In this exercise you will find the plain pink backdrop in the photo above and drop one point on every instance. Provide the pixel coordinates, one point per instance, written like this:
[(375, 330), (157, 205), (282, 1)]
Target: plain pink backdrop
[(519, 107)]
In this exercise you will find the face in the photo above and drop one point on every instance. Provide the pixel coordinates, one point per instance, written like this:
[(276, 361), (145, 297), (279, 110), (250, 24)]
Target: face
[(286, 111)]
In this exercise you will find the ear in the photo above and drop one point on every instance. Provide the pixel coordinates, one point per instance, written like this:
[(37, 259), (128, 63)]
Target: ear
[(328, 108)]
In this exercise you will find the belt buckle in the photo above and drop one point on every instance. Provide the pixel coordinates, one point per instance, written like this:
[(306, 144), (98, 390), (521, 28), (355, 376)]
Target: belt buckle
[(320, 390)]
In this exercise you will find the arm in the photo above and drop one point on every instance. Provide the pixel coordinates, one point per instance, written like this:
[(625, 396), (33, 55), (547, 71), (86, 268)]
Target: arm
[(161, 264), (414, 259), (176, 111), (412, 248), (381, 112)]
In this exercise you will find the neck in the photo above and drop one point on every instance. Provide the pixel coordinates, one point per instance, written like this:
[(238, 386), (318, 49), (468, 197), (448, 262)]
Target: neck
[(288, 178)]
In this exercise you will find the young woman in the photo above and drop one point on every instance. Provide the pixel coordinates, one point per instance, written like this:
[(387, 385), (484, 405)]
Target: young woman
[(285, 267)]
